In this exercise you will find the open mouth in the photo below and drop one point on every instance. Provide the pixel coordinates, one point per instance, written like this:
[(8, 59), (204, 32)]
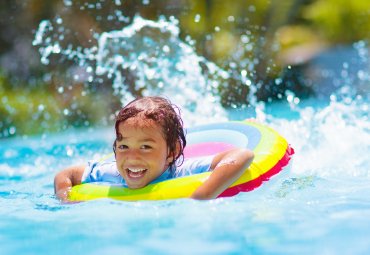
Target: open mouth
[(136, 172)]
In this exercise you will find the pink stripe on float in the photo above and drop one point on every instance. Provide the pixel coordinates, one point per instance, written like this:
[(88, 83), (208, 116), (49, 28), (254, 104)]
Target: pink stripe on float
[(251, 185), (206, 149)]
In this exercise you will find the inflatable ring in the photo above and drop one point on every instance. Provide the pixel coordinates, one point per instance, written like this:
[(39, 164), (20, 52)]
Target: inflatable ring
[(271, 154)]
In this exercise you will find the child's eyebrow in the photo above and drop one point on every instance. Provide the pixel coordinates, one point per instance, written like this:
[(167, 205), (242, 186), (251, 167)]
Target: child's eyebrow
[(147, 140), (144, 140)]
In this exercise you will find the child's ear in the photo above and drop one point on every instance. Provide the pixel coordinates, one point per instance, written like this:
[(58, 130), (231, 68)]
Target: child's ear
[(172, 156)]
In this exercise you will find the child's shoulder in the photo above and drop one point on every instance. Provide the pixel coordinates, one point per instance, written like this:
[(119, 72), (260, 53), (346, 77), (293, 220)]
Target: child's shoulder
[(194, 165)]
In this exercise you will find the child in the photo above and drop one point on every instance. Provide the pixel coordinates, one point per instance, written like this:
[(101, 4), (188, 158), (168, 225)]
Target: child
[(148, 148)]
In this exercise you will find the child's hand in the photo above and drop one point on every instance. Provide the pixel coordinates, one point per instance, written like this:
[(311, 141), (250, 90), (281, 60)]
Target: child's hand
[(62, 194), (66, 179)]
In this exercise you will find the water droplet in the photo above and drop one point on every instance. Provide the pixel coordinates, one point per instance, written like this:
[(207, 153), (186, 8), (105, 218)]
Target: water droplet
[(69, 152), (251, 8), (59, 20), (362, 75), (197, 18), (41, 107), (12, 130), (249, 47), (56, 48), (67, 2), (289, 96), (166, 49), (244, 39), (278, 81), (231, 18)]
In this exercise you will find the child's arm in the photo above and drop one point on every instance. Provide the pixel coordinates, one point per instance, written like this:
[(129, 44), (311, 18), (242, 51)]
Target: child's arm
[(227, 168), (66, 179)]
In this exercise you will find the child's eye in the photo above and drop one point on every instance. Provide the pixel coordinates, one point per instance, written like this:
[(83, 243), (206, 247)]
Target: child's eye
[(146, 147), (122, 147)]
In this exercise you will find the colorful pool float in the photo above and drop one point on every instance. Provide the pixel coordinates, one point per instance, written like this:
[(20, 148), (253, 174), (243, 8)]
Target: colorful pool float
[(272, 154)]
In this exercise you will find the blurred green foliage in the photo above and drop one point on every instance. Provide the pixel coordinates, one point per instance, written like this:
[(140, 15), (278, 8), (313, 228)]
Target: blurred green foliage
[(36, 110), (339, 21), (254, 40)]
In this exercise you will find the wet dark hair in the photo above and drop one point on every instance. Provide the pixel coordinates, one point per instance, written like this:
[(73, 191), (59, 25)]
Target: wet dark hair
[(162, 112)]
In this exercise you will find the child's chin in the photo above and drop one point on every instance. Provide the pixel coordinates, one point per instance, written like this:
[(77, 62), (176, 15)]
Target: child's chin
[(136, 186)]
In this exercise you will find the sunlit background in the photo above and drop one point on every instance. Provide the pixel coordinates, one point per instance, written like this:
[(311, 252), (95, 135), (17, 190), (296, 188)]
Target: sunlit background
[(270, 50)]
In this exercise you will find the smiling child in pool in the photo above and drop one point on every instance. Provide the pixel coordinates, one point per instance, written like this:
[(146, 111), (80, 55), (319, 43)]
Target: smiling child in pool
[(148, 148)]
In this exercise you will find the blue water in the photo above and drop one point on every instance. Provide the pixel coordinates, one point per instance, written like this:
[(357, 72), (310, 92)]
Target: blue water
[(321, 205)]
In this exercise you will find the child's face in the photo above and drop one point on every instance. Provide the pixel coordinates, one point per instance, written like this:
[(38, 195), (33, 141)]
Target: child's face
[(142, 153)]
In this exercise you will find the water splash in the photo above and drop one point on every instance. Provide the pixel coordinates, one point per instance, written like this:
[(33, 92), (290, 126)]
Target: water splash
[(161, 64), (331, 141), (146, 58)]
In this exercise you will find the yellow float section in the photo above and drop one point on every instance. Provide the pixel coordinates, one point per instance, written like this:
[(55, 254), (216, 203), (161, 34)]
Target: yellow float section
[(268, 152)]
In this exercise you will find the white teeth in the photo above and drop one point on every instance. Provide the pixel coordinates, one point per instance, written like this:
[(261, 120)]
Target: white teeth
[(136, 170)]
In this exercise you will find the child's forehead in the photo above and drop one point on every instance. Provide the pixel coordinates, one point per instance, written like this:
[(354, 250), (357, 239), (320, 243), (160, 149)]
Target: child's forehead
[(139, 122), (142, 125)]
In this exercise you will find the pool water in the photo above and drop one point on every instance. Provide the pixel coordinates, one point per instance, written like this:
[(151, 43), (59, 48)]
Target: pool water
[(320, 205)]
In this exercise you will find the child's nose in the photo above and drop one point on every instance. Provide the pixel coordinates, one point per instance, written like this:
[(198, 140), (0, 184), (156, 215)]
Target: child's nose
[(133, 154)]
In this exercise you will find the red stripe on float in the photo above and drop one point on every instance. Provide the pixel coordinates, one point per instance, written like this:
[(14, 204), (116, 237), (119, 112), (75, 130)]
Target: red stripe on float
[(251, 185)]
